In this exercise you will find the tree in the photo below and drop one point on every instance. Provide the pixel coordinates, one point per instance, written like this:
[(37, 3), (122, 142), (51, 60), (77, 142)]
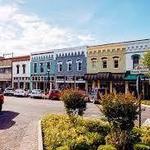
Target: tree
[(121, 111), (74, 102), (146, 59)]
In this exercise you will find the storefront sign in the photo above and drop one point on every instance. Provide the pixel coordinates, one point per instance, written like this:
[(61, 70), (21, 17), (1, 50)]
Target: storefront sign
[(140, 69)]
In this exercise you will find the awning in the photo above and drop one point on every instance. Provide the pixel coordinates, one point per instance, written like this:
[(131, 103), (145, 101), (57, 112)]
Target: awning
[(132, 77)]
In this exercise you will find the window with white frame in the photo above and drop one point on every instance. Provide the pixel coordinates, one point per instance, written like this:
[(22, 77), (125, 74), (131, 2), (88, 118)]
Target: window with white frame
[(24, 68), (93, 61), (79, 65), (17, 67), (48, 65), (69, 65), (41, 67), (35, 67), (59, 66), (116, 61), (104, 62), (136, 60)]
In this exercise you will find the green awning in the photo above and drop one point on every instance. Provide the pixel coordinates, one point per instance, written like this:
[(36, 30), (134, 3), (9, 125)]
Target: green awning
[(132, 77)]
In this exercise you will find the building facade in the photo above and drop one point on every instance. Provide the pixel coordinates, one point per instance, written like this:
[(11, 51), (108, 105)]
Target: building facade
[(5, 72), (42, 70), (106, 67), (21, 72), (135, 51), (70, 67)]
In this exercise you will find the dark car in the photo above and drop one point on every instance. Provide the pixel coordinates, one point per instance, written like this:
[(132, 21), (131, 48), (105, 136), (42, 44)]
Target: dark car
[(1, 99), (54, 95)]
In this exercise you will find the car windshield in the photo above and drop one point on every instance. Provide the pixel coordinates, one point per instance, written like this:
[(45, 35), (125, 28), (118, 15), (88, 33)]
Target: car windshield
[(19, 90), (36, 91)]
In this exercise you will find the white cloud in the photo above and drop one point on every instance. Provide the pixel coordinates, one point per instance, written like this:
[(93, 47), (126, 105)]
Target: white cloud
[(24, 33)]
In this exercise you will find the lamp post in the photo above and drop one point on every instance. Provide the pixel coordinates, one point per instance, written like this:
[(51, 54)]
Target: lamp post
[(48, 78)]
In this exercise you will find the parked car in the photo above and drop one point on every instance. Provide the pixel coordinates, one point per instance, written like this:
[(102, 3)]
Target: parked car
[(36, 93), (54, 95), (1, 99), (9, 92), (21, 93)]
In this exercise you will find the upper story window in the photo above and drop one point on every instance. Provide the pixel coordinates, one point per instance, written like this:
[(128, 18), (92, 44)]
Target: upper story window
[(69, 65), (116, 62), (48, 65), (94, 60), (79, 65), (104, 62), (41, 67), (35, 67), (59, 66), (136, 60), (18, 66), (24, 68)]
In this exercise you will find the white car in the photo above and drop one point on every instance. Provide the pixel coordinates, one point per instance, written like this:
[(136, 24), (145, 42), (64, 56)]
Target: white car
[(21, 93), (9, 92), (36, 93)]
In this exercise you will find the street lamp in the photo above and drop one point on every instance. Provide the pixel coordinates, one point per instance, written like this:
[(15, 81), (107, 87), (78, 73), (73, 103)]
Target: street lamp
[(48, 77)]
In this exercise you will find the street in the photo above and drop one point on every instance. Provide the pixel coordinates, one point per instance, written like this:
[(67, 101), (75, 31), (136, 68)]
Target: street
[(19, 121)]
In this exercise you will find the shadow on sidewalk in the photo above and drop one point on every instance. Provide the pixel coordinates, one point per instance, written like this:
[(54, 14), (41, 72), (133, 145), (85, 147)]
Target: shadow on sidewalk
[(6, 119)]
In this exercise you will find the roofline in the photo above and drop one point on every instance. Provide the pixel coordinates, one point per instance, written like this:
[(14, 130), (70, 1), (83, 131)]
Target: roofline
[(113, 43)]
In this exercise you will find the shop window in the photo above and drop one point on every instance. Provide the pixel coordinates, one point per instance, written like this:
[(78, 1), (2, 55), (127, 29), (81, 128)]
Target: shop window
[(24, 68), (17, 69), (136, 59)]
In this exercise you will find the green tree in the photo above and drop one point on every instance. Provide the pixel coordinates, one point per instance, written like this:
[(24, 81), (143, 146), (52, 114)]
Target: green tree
[(121, 111), (146, 59)]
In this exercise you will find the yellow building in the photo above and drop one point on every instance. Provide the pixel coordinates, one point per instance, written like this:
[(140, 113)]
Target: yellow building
[(106, 67)]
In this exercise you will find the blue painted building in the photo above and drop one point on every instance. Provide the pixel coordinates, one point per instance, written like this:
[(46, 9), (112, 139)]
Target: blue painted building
[(42, 70), (70, 67)]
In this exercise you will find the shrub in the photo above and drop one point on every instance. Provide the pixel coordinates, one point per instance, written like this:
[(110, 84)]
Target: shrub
[(74, 102), (141, 147), (121, 111), (58, 133), (106, 147), (145, 135)]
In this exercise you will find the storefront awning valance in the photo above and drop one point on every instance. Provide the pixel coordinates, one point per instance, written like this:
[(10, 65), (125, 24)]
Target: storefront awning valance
[(104, 76), (132, 77)]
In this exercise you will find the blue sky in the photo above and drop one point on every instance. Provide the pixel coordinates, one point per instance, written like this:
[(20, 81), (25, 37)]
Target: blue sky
[(75, 22)]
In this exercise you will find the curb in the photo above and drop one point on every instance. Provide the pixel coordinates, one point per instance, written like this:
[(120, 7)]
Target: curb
[(40, 139), (146, 105)]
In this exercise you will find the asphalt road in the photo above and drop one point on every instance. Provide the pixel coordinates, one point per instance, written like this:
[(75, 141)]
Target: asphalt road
[(19, 121)]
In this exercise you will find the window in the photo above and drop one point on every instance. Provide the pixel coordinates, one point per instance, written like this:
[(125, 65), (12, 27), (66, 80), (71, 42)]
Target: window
[(116, 61), (48, 65), (24, 68), (35, 67), (94, 60), (17, 69), (41, 67), (104, 62), (79, 65), (136, 59), (59, 64), (69, 65)]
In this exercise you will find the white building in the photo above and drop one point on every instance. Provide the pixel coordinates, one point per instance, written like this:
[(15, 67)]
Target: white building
[(135, 51), (21, 72)]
